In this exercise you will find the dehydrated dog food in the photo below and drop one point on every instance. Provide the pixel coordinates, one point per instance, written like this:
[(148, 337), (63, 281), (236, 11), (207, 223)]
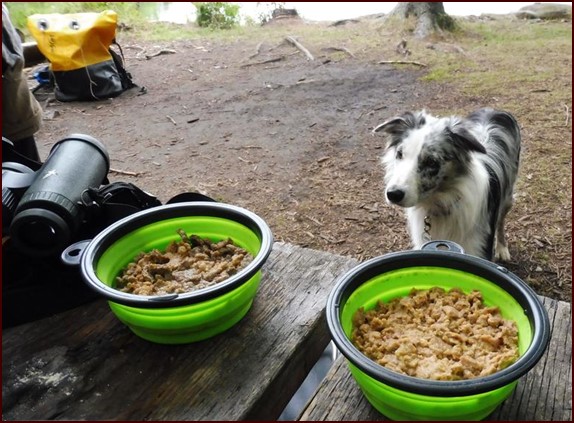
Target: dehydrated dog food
[(187, 265), (435, 334)]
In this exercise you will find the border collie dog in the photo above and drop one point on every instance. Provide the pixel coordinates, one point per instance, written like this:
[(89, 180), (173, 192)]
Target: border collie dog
[(454, 176)]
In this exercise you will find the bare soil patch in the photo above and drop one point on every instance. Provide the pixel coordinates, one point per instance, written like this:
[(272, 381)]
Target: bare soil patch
[(291, 140)]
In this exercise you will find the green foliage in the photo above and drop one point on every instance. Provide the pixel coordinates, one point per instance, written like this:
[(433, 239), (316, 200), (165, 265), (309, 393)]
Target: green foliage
[(19, 11), (217, 15)]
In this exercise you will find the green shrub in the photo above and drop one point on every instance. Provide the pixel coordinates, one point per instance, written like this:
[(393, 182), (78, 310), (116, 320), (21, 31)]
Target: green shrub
[(217, 15), (19, 11)]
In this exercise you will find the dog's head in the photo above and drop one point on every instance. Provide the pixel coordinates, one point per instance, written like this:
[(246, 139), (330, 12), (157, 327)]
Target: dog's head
[(425, 156)]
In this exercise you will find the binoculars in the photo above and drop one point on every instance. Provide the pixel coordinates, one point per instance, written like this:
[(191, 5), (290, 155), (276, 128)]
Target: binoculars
[(43, 210)]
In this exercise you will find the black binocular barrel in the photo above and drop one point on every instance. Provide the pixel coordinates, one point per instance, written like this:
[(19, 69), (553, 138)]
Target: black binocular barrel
[(50, 211)]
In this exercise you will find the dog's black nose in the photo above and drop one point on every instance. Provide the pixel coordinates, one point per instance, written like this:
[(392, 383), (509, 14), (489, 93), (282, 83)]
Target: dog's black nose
[(395, 195)]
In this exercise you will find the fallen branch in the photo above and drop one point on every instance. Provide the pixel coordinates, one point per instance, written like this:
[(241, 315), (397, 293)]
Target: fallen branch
[(312, 219), (304, 81), (165, 51), (200, 48), (345, 49), (567, 115), (171, 119), (401, 62), (297, 44), (376, 109), (327, 238), (257, 50), (245, 147), (124, 172), (310, 234), (276, 59)]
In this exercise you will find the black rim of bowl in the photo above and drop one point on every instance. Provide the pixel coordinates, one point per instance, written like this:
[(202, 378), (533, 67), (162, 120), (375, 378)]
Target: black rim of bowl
[(499, 275), (111, 234)]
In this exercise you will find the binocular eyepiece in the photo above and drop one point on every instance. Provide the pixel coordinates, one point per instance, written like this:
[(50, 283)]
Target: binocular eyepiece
[(43, 210)]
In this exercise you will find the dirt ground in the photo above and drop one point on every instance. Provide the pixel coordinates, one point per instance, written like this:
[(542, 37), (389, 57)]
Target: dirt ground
[(290, 140)]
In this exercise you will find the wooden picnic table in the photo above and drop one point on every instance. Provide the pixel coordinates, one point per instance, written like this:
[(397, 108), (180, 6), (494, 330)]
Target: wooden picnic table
[(83, 364)]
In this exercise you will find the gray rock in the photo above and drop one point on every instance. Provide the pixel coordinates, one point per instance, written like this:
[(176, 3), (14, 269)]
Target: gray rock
[(545, 11)]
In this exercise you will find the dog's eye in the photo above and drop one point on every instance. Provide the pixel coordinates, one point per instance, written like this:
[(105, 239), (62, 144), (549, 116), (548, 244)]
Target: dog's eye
[(431, 163), (399, 154)]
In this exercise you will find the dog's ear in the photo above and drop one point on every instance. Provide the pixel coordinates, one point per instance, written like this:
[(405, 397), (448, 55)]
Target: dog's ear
[(401, 124), (464, 139), (396, 125)]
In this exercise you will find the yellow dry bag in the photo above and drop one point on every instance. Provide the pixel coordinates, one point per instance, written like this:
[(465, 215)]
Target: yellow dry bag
[(78, 48)]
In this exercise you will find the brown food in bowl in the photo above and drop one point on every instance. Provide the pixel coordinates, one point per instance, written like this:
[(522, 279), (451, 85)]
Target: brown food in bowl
[(435, 334), (187, 265)]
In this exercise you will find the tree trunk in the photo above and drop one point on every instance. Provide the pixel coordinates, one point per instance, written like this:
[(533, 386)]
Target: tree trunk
[(430, 17)]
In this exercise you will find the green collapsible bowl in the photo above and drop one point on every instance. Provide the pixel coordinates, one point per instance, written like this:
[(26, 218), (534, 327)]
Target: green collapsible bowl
[(438, 263), (191, 316)]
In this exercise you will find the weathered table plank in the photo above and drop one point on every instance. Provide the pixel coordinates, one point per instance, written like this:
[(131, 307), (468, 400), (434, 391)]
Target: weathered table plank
[(543, 394), (84, 364)]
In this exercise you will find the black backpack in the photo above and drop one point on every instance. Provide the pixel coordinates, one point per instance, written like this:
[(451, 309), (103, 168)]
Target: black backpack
[(96, 82), (86, 62), (119, 60)]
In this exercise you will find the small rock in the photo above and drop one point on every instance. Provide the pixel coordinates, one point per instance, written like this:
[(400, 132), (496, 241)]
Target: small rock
[(545, 11)]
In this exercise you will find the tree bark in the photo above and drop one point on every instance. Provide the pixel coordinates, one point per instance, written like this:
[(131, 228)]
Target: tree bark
[(430, 17)]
